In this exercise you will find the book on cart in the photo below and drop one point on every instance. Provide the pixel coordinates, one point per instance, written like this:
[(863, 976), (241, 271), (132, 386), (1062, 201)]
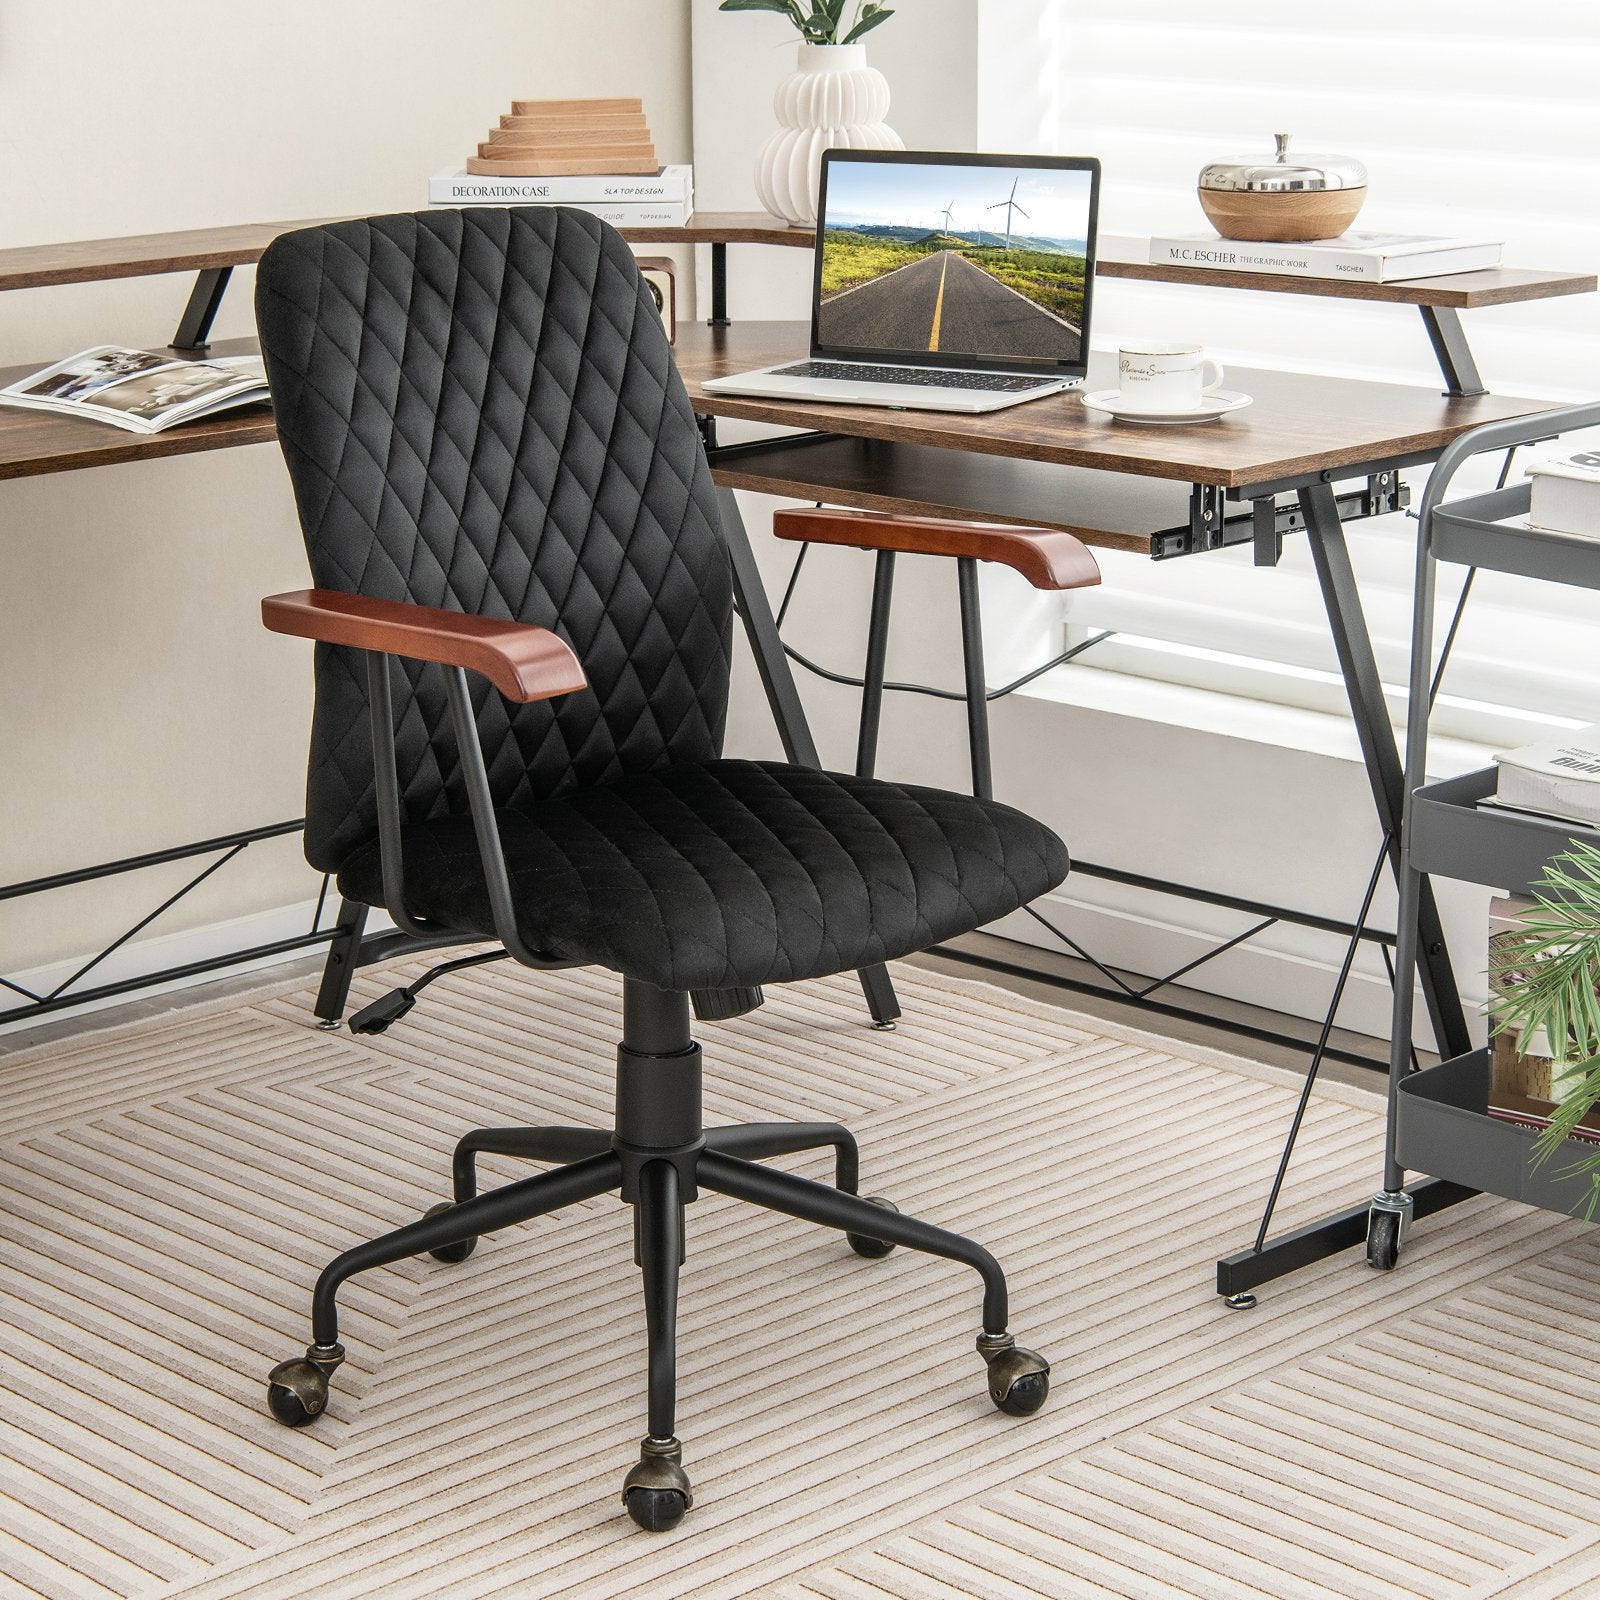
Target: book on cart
[(1529, 1111), (1557, 778), (140, 390), (666, 196), (1364, 257), (1564, 494)]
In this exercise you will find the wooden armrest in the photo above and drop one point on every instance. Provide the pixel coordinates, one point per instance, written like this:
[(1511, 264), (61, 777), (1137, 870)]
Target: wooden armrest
[(1047, 557), (523, 662)]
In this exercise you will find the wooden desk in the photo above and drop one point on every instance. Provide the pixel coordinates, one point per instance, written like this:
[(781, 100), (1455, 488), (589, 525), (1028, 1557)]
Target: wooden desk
[(1159, 491), (1165, 491), (1299, 424), (1121, 485), (1118, 485), (33, 443)]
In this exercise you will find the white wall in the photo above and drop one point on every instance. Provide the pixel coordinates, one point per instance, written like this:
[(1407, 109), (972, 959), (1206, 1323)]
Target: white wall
[(143, 703)]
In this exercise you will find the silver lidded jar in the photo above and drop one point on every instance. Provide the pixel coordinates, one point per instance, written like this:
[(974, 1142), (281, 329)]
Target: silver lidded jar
[(1290, 197)]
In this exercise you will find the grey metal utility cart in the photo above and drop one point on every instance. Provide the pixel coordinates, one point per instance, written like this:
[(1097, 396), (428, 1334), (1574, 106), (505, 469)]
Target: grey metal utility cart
[(1438, 1121)]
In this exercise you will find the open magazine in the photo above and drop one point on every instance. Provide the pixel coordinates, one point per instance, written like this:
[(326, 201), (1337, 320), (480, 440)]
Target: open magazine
[(138, 390)]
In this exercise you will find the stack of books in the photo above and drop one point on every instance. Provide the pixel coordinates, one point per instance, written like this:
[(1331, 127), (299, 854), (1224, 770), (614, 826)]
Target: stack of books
[(597, 155), (1363, 257)]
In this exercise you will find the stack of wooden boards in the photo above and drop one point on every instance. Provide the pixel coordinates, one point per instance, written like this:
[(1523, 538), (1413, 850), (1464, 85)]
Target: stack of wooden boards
[(547, 138)]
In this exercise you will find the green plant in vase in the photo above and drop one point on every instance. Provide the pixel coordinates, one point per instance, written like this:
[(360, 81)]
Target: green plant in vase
[(1555, 958), (821, 21)]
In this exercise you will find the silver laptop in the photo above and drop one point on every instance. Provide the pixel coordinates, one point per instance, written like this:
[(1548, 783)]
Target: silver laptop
[(944, 282)]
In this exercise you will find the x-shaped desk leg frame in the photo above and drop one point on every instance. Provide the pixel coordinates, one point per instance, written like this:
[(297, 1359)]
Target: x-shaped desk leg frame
[(1380, 754), (1238, 1274)]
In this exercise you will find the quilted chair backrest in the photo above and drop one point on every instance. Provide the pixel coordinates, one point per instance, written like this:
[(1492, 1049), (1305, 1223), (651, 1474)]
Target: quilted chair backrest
[(479, 411)]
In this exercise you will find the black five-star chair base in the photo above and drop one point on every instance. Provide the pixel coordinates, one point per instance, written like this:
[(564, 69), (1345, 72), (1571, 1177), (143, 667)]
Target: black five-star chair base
[(658, 1157)]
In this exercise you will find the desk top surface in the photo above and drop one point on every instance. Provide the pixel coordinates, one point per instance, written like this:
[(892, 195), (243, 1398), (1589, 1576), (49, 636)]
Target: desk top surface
[(1299, 425)]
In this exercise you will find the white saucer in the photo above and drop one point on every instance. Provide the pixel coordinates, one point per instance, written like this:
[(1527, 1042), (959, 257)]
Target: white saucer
[(1214, 403)]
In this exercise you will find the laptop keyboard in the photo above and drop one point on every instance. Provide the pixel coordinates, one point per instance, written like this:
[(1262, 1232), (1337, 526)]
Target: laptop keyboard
[(855, 372)]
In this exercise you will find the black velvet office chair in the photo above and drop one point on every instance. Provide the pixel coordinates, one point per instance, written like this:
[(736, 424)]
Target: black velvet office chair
[(497, 470)]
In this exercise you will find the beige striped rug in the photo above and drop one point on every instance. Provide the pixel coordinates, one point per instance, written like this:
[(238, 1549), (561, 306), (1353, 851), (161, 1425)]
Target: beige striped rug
[(168, 1191)]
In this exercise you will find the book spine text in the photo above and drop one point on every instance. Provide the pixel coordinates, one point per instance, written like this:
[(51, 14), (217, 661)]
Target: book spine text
[(464, 189), (1227, 255)]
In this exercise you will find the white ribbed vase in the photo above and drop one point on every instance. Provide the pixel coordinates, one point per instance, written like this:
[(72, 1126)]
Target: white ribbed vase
[(832, 100)]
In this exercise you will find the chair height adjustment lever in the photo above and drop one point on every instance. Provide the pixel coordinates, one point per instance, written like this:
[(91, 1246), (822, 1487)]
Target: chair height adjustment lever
[(388, 1008)]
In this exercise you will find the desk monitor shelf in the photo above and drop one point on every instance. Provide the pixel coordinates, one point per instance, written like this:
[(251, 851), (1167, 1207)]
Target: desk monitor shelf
[(1439, 300), (199, 249), (1459, 291)]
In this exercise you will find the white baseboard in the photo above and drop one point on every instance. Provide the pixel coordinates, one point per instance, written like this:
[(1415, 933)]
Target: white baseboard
[(1285, 968), (142, 957)]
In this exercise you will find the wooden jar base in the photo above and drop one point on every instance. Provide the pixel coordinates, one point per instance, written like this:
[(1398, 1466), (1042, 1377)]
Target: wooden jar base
[(1282, 217)]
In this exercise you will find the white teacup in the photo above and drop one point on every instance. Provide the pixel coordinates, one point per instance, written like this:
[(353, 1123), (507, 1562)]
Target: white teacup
[(1165, 377)]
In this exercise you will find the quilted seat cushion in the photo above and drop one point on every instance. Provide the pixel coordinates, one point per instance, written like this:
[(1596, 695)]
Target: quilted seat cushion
[(729, 873)]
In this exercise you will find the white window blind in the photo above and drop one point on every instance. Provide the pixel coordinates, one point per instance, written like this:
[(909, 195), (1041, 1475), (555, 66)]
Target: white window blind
[(1473, 118)]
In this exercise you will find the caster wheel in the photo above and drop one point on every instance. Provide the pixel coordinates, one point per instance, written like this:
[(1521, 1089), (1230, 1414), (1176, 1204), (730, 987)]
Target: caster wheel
[(872, 1249), (1019, 1381), (656, 1510), (451, 1252), (1383, 1240), (297, 1392), (657, 1491)]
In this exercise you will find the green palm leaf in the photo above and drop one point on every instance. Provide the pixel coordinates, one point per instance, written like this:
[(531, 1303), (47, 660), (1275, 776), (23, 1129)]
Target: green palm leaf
[(870, 17)]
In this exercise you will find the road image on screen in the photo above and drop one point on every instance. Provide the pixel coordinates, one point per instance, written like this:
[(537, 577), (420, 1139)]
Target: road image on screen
[(968, 261)]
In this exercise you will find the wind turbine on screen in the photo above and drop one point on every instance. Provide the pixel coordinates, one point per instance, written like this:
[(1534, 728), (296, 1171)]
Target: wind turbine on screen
[(947, 213), (1010, 204)]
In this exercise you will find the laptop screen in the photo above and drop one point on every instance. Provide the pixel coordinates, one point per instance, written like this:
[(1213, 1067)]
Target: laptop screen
[(956, 260)]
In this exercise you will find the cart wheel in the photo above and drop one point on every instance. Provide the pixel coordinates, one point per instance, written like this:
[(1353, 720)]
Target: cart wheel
[(1383, 1240)]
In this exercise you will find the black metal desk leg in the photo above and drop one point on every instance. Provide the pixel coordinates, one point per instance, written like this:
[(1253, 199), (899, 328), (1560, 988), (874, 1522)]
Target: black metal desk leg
[(977, 684), (772, 665), (1238, 1274), (719, 287), (1451, 350), (761, 629), (194, 328), (877, 658), (1378, 748)]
